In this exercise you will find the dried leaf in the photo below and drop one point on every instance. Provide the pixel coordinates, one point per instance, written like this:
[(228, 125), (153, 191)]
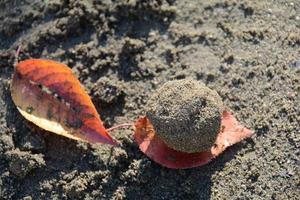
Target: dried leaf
[(150, 144), (49, 95)]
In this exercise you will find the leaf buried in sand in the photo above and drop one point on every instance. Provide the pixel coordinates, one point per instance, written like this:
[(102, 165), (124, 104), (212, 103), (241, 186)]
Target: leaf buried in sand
[(232, 132), (49, 95)]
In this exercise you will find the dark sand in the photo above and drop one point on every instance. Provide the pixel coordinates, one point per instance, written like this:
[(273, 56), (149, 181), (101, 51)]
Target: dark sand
[(248, 51)]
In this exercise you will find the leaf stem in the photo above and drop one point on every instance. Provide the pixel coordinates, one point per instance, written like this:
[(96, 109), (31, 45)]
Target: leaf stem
[(17, 55), (120, 126)]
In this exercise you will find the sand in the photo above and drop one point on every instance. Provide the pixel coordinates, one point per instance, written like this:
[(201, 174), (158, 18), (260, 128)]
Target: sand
[(186, 115), (248, 51)]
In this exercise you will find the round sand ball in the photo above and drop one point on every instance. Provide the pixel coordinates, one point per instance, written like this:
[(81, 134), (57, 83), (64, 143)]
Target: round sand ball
[(186, 115)]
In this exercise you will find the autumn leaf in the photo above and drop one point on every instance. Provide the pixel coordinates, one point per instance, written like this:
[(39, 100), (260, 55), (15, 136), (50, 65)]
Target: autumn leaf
[(156, 149), (49, 95)]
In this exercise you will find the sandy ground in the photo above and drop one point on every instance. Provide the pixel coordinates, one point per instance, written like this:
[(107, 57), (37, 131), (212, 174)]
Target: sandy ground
[(248, 51)]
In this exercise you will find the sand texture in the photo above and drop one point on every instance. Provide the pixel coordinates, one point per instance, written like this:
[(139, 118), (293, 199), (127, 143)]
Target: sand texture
[(122, 51)]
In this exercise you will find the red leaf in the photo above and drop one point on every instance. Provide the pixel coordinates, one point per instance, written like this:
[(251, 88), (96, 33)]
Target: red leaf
[(150, 144), (48, 94)]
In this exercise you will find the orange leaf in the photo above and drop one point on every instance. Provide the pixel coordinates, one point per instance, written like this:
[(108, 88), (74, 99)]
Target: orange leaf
[(49, 95), (155, 148)]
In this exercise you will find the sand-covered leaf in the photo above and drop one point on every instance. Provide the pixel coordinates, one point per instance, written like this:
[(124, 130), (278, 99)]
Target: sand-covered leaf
[(156, 149)]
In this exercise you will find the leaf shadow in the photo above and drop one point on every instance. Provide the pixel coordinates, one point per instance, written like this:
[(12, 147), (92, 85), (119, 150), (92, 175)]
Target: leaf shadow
[(152, 181)]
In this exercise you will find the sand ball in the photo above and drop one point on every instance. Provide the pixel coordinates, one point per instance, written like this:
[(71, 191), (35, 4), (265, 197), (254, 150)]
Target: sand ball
[(186, 115)]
